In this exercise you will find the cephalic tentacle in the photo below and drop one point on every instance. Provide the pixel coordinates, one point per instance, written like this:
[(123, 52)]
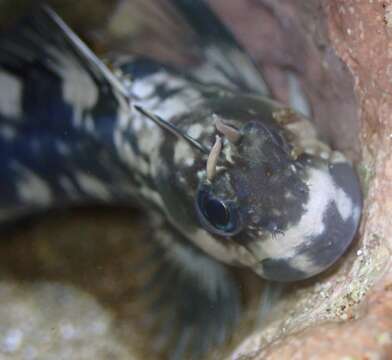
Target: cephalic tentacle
[(213, 158), (232, 134)]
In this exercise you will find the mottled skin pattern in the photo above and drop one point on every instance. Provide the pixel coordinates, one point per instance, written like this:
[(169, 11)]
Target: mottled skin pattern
[(287, 194), (70, 134)]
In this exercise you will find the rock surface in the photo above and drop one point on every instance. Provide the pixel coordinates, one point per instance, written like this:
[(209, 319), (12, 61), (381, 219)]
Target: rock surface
[(66, 289), (52, 321)]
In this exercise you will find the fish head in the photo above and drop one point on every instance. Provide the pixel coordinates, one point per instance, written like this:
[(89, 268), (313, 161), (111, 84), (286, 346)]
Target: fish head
[(270, 195)]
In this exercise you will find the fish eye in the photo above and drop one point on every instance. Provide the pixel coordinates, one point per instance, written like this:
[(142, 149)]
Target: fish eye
[(217, 216)]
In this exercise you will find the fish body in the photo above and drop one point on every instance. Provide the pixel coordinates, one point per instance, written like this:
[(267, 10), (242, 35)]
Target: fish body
[(232, 176)]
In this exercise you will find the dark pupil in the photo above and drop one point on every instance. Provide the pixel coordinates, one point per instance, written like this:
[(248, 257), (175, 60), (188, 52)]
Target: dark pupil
[(216, 213)]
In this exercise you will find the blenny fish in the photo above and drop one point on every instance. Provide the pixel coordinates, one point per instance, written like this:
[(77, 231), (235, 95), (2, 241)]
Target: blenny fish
[(226, 175)]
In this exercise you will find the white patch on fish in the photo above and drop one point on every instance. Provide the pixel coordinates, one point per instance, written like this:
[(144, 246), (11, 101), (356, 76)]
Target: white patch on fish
[(68, 187), (229, 253), (195, 131), (305, 264), (344, 204), (183, 153), (142, 89), (177, 105), (31, 188), (322, 192), (79, 89), (10, 96), (89, 123), (150, 141), (93, 186), (174, 104)]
